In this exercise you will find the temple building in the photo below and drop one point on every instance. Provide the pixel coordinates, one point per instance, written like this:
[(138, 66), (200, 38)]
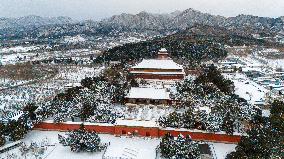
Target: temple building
[(160, 75), (152, 96), (161, 68)]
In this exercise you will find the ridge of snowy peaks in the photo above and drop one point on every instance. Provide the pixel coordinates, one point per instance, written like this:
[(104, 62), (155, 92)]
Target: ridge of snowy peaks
[(190, 17), (33, 20), (142, 20), (174, 20), (255, 22)]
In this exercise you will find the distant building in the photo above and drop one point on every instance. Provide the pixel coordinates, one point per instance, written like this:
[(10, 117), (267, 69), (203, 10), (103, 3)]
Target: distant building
[(162, 68), (72, 85)]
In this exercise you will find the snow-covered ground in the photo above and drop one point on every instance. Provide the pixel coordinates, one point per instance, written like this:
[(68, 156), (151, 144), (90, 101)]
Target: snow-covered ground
[(276, 63), (18, 57), (5, 83), (144, 148), (257, 89), (19, 49), (221, 149), (44, 90), (246, 88), (74, 39)]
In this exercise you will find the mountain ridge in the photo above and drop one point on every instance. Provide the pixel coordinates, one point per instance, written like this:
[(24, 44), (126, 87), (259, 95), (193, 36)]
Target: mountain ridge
[(36, 26)]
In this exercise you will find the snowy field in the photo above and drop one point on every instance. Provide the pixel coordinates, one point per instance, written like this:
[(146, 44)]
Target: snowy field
[(246, 88), (5, 83), (144, 148), (19, 49), (279, 63), (254, 89), (44, 90), (19, 57)]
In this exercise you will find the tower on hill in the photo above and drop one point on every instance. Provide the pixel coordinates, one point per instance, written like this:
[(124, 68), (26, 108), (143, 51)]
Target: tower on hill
[(163, 54)]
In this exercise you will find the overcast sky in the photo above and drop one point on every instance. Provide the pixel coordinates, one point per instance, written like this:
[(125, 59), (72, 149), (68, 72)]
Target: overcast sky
[(98, 9)]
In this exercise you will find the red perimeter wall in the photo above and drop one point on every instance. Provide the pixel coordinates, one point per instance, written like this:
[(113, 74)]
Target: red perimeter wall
[(142, 131)]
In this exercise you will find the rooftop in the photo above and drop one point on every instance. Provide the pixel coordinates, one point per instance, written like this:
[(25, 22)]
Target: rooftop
[(158, 64), (159, 73), (148, 93), (163, 50)]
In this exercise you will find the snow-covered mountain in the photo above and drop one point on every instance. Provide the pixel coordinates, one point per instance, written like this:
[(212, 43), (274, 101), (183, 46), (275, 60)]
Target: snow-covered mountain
[(190, 17), (33, 20), (143, 22)]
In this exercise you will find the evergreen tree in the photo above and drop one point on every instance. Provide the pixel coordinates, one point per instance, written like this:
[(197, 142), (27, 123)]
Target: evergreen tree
[(82, 140), (2, 140), (188, 119), (166, 146), (179, 148), (17, 130), (174, 120), (277, 108), (228, 124), (264, 139), (134, 83), (212, 74), (86, 111), (87, 82), (31, 108), (192, 147), (3, 130)]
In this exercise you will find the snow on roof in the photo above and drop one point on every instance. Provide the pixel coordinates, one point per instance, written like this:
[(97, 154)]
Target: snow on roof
[(148, 93), (250, 69), (228, 62), (78, 123), (73, 85), (142, 123), (159, 73), (163, 50), (12, 116), (17, 115), (158, 64)]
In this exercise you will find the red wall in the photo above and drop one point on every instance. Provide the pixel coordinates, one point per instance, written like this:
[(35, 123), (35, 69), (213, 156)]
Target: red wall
[(142, 131), (204, 136), (66, 127)]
